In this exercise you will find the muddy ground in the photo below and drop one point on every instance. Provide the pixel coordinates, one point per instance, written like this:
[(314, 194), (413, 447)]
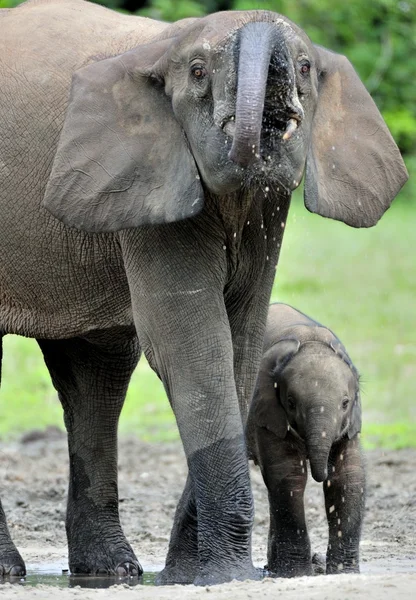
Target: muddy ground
[(33, 476)]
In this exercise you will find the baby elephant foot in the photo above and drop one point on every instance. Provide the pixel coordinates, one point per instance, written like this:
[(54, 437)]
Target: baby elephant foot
[(342, 565), (12, 565), (318, 564), (289, 569)]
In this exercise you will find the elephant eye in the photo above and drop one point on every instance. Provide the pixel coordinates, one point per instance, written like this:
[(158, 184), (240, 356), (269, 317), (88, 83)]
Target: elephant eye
[(198, 72), (305, 67), (291, 404), (345, 403)]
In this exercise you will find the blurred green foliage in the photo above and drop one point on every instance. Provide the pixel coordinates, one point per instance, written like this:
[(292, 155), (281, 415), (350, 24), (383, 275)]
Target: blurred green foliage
[(379, 38)]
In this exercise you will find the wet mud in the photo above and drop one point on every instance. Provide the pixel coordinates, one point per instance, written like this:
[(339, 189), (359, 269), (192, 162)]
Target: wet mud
[(34, 475)]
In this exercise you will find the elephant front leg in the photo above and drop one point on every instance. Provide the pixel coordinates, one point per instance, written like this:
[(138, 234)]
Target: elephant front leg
[(92, 383), (191, 350), (344, 502), (283, 467)]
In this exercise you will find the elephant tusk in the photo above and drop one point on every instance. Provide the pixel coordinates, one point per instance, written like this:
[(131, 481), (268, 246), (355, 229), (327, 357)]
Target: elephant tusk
[(229, 128), (292, 125)]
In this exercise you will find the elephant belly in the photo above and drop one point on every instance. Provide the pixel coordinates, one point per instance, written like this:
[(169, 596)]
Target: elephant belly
[(59, 284)]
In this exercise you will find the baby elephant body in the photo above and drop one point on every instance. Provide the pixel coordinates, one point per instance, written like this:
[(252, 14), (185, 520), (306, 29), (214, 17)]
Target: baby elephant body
[(307, 406)]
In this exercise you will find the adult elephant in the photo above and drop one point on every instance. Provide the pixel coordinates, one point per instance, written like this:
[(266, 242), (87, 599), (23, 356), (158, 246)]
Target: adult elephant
[(143, 209)]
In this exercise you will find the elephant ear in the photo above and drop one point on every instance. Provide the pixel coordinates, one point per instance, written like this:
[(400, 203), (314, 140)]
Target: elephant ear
[(354, 168), (266, 410), (122, 158), (354, 426)]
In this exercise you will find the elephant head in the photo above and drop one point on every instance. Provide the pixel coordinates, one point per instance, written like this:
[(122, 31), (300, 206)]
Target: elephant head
[(311, 389), (215, 105)]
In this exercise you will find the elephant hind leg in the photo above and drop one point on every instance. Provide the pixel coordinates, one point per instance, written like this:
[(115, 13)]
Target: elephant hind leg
[(92, 381), (11, 563)]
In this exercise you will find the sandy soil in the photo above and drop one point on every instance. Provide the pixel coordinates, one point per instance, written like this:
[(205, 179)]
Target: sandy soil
[(33, 475)]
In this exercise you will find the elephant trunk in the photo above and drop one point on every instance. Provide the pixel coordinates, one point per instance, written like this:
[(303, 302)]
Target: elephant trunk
[(319, 440), (256, 45)]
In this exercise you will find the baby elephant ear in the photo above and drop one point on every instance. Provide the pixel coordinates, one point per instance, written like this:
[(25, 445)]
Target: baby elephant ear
[(354, 168), (122, 158), (355, 418), (266, 410)]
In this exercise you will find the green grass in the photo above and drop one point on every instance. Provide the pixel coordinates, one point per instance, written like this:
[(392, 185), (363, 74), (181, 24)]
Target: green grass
[(361, 283)]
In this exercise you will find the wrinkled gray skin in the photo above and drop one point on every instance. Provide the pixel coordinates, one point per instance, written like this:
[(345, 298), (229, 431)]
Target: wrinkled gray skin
[(142, 210), (306, 405)]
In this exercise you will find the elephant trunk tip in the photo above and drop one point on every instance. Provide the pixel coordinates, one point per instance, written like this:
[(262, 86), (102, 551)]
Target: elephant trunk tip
[(319, 473)]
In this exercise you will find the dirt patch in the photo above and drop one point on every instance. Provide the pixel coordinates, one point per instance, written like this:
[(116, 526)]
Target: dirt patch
[(34, 476)]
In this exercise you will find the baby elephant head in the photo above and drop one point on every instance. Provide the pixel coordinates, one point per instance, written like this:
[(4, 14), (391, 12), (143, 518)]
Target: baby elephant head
[(312, 391)]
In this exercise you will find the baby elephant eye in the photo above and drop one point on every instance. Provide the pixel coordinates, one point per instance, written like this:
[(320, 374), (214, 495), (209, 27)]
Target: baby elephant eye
[(198, 72), (345, 403)]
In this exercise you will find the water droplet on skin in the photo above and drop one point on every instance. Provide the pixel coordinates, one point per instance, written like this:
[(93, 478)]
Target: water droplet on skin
[(339, 521), (339, 533), (333, 147), (282, 225), (328, 483), (291, 493), (275, 384), (224, 247), (323, 434), (274, 239), (261, 226), (301, 463), (265, 237), (303, 470), (266, 189), (341, 456), (267, 258), (197, 177), (362, 490), (322, 407), (333, 469), (331, 509), (235, 234), (343, 499), (298, 531), (248, 222), (340, 567)]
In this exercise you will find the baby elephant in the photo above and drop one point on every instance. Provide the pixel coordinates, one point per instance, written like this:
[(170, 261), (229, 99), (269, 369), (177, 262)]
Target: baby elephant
[(307, 406)]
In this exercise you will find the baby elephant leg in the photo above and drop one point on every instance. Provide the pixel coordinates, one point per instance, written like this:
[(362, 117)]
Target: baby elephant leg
[(284, 472), (344, 502)]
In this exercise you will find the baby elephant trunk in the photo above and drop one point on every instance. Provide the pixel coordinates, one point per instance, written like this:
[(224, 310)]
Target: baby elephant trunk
[(318, 445)]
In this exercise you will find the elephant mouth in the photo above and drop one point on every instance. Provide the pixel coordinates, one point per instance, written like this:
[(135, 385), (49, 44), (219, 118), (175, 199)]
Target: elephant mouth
[(277, 125)]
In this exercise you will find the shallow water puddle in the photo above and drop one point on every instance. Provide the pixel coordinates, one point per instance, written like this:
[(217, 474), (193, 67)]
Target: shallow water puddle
[(55, 575)]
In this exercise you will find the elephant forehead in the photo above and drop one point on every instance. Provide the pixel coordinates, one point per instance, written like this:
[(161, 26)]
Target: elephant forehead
[(317, 366), (217, 29)]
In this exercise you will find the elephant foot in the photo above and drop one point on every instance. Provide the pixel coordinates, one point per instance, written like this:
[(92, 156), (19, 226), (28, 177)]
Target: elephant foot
[(12, 565), (105, 561), (184, 573), (216, 576)]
